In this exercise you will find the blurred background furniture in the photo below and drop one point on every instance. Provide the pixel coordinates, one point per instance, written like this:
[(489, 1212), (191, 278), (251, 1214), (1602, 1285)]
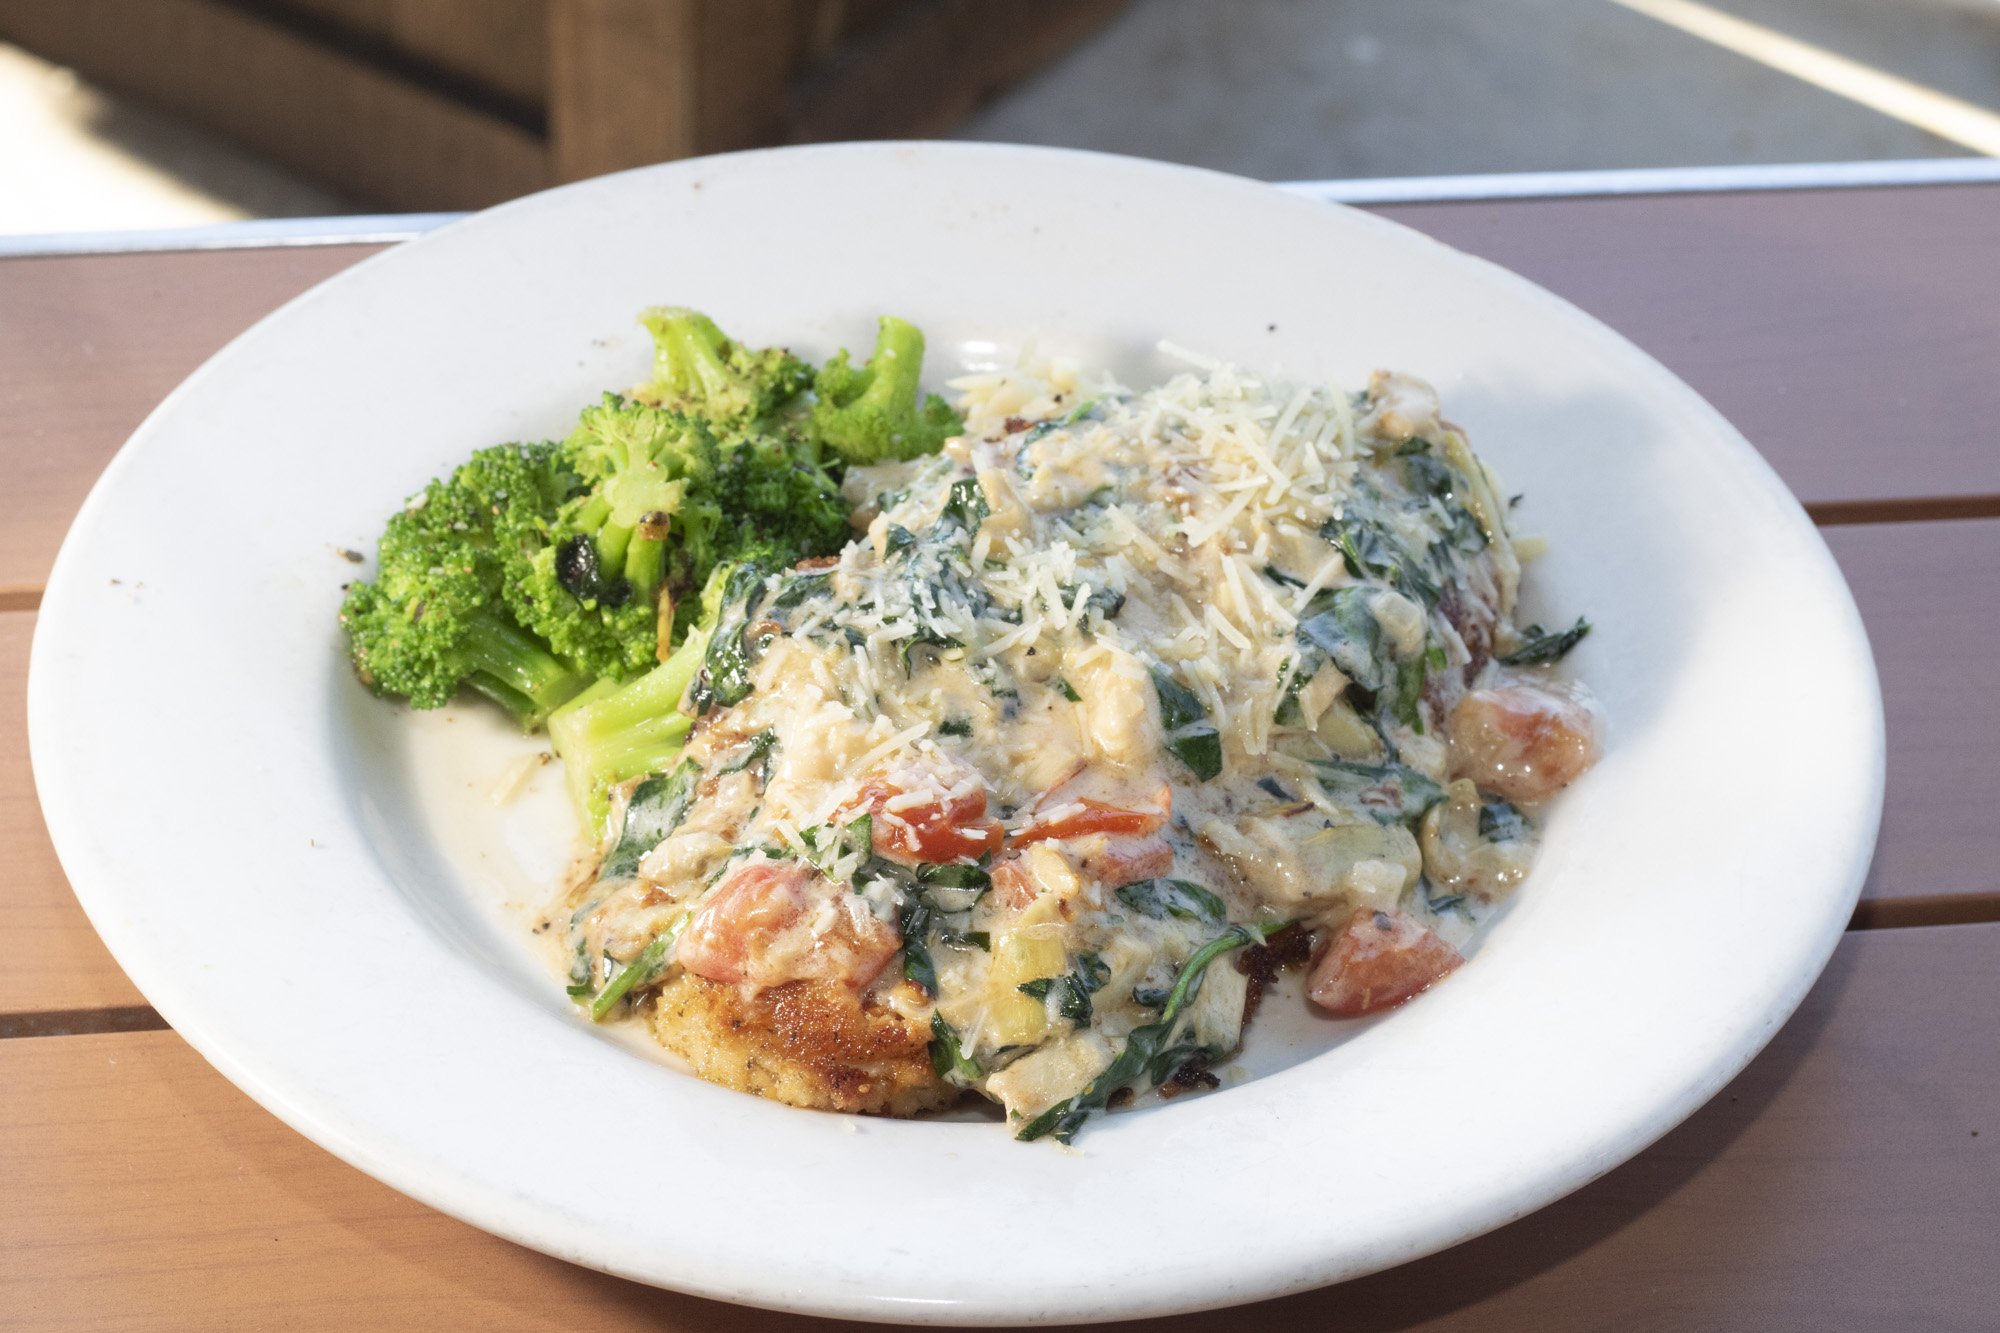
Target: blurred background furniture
[(446, 104)]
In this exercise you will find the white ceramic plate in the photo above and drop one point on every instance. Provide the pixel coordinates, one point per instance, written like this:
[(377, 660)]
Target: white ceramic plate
[(309, 884)]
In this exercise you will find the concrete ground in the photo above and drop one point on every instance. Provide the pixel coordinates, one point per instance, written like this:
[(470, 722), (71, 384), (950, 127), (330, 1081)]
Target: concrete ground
[(1301, 89), (73, 158), (1281, 89)]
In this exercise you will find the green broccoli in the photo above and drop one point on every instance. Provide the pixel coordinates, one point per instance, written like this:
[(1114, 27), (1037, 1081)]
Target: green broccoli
[(874, 414), (535, 569), (669, 499), (434, 617), (612, 733), (699, 371), (772, 506), (703, 464), (590, 583)]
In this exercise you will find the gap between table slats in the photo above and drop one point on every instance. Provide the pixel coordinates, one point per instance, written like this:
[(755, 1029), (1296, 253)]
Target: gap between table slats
[(1839, 513)]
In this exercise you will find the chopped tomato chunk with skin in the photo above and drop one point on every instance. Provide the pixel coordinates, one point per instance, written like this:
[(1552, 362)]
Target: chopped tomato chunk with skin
[(746, 910), (1080, 818), (1377, 961), (926, 834), (1107, 859), (934, 832), (1109, 843), (1524, 741), (756, 928)]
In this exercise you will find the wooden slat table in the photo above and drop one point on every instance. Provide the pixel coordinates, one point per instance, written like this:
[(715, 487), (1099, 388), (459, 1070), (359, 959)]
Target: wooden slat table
[(1849, 1178)]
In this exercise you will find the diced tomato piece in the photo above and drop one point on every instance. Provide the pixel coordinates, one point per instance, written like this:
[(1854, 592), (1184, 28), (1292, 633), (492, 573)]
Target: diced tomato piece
[(932, 831), (732, 937), (1524, 742), (1109, 860), (1377, 961), (748, 910), (1083, 817), (925, 837), (1115, 845)]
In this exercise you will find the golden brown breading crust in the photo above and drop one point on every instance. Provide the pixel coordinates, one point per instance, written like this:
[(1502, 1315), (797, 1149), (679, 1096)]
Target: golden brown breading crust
[(808, 1043)]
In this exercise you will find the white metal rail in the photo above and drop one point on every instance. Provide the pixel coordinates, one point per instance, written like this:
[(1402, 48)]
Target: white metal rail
[(389, 227)]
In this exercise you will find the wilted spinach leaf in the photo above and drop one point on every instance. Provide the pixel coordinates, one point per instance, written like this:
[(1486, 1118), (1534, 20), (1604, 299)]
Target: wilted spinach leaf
[(1190, 735), (1391, 793), (1181, 899), (1539, 647), (658, 805)]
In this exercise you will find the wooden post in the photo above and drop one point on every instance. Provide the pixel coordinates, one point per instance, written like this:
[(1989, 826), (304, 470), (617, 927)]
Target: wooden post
[(621, 84), (639, 81)]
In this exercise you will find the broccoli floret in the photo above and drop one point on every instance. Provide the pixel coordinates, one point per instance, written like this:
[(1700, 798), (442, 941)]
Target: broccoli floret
[(434, 617), (773, 507), (519, 486), (878, 413), (670, 498), (590, 581), (706, 462), (610, 637), (700, 371), (536, 568)]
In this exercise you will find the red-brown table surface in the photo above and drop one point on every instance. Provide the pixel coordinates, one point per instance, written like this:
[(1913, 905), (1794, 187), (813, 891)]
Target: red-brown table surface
[(1848, 1178)]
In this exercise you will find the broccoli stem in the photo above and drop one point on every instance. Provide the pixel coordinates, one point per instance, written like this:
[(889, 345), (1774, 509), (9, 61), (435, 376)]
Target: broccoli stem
[(623, 549), (505, 664), (895, 366), (594, 512), (645, 565), (612, 541), (612, 733)]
